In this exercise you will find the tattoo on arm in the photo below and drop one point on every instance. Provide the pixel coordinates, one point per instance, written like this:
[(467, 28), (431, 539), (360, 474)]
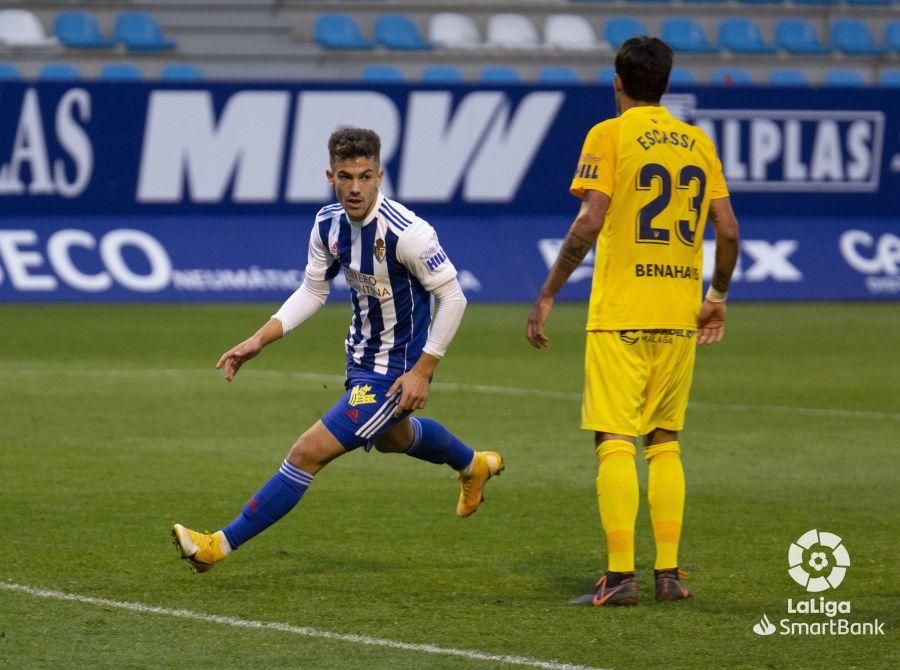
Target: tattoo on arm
[(721, 281), (573, 251)]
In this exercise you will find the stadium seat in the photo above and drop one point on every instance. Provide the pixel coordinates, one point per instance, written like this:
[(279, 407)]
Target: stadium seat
[(843, 77), (892, 36), (512, 31), (743, 36), (21, 28), (382, 73), (889, 78), (606, 74), (8, 72), (621, 28), (397, 31), (821, 3), (882, 3), (181, 72), (339, 31), (442, 74), (682, 77), (59, 71), (731, 76), (762, 2), (706, 2), (121, 72), (80, 30), (453, 31), (500, 74), (569, 32), (558, 74), (797, 36), (685, 35), (853, 37), (784, 76), (139, 31)]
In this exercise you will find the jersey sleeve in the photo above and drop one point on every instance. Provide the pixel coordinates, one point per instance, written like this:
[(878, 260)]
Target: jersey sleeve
[(597, 164), (421, 253), (717, 186), (320, 264)]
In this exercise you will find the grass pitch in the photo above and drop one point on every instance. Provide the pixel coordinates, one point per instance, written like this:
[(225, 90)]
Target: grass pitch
[(114, 425)]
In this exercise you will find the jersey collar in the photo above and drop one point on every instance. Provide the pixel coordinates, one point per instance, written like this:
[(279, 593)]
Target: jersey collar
[(645, 110)]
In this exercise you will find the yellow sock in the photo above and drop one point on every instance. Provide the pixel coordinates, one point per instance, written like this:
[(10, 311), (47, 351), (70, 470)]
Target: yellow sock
[(617, 498), (665, 493)]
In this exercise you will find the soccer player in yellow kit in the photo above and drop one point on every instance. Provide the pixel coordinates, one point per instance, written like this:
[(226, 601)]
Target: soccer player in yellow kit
[(647, 184)]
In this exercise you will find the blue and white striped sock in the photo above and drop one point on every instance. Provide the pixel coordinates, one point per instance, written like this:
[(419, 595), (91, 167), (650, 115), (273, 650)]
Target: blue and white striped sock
[(435, 444), (276, 498)]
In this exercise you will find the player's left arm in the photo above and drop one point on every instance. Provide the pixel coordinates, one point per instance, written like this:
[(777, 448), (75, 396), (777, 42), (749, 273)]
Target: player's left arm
[(711, 321), (420, 251), (579, 241)]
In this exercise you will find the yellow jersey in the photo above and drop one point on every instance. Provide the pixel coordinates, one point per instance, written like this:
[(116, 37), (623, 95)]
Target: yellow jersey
[(660, 175)]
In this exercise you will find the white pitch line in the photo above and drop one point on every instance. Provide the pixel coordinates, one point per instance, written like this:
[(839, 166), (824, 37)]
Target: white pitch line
[(305, 631), (455, 386)]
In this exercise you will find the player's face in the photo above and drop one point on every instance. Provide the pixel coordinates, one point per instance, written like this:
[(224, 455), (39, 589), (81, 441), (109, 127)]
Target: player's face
[(356, 182)]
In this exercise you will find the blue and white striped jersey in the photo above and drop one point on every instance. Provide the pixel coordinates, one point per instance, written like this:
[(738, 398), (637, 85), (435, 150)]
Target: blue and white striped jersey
[(392, 261)]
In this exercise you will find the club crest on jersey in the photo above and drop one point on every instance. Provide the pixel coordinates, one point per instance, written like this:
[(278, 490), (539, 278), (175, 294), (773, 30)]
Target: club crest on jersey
[(334, 248), (380, 250), (360, 396)]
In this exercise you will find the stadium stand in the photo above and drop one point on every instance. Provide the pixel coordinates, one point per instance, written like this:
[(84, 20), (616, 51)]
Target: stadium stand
[(606, 74), (397, 31), (843, 77), (442, 74), (890, 78), (731, 76), (500, 74), (139, 31), (20, 28), (61, 71), (121, 72), (301, 39), (558, 74), (181, 72), (382, 73), (682, 77), (787, 77), (80, 30), (8, 72), (512, 31)]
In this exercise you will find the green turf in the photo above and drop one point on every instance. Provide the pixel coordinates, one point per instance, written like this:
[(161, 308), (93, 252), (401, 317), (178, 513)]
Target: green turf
[(114, 425)]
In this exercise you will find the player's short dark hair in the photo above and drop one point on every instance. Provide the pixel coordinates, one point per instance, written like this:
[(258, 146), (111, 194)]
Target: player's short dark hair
[(354, 143), (643, 65)]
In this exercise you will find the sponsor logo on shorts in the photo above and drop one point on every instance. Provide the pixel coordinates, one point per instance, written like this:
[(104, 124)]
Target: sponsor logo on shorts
[(360, 396), (629, 336), (352, 414)]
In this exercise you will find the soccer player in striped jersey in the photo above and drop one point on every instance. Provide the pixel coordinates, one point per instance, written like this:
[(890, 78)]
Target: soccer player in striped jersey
[(394, 265), (647, 183)]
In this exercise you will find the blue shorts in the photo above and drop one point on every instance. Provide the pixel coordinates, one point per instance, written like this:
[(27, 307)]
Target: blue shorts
[(364, 412)]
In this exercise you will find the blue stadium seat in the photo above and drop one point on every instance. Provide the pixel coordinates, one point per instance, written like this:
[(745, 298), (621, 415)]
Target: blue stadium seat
[(558, 74), (707, 2), (339, 31), (743, 36), (8, 72), (822, 3), (606, 74), (882, 3), (797, 36), (731, 76), (442, 74), (383, 73), (842, 77), (889, 78), (397, 31), (500, 74), (853, 37), (181, 72), (61, 71), (621, 28), (892, 36), (80, 30), (682, 77), (762, 2), (121, 72), (139, 31), (686, 35), (785, 76)]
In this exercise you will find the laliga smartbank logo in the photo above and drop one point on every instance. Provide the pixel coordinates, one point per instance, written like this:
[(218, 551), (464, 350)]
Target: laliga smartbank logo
[(818, 561)]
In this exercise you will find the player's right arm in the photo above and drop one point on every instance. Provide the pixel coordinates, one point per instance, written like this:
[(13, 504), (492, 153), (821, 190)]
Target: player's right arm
[(309, 297), (711, 322), (579, 240)]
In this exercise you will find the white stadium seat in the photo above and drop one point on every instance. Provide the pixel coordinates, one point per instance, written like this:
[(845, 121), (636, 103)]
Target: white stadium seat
[(453, 31), (570, 32), (512, 31), (21, 28)]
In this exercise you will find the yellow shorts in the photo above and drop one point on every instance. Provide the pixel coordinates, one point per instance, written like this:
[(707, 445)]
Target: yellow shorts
[(637, 380)]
